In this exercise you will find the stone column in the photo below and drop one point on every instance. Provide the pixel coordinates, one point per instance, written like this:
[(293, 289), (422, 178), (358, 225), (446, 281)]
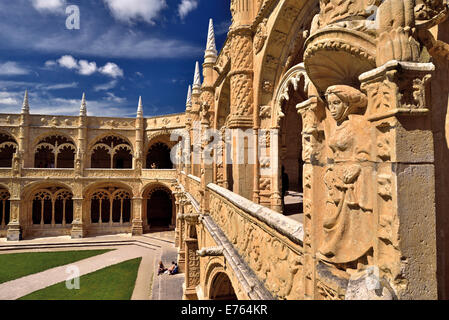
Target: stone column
[(241, 117), (14, 232), (80, 158), (181, 225), (78, 230), (137, 228), (311, 111), (399, 108), (192, 263)]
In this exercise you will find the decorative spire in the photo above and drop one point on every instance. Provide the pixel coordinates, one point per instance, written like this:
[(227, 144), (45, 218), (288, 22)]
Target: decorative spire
[(25, 105), (189, 97), (83, 109), (197, 78), (140, 108), (211, 49)]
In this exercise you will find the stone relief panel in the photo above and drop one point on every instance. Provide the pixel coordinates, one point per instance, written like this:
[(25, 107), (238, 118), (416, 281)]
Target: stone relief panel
[(275, 260)]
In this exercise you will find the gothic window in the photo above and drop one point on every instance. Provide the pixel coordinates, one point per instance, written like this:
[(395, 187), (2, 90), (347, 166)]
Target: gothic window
[(55, 152), (4, 208), (112, 153), (8, 147), (53, 207), (158, 157), (111, 206)]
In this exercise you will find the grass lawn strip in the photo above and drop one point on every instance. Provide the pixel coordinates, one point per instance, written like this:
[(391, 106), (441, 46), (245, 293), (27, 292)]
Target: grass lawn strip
[(115, 282), (17, 265)]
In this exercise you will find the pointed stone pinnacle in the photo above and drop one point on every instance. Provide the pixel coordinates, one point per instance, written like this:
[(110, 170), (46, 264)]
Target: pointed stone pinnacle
[(197, 78), (140, 108), (25, 105), (211, 48), (83, 109), (189, 97)]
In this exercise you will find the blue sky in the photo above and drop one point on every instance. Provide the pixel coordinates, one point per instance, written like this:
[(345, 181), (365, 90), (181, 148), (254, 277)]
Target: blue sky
[(124, 49)]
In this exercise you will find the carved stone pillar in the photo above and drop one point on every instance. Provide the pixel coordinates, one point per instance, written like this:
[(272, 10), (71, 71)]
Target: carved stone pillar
[(14, 232), (242, 106), (399, 108), (206, 157), (137, 228), (311, 111), (78, 230), (192, 263), (181, 227)]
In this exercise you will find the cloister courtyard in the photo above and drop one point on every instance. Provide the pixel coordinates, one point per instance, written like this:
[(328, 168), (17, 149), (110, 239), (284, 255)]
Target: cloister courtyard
[(99, 268)]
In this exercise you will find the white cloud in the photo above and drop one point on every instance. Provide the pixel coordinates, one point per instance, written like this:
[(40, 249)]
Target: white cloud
[(50, 63), (112, 70), (68, 62), (106, 86), (53, 6), (113, 98), (8, 98), (186, 6), (11, 68), (59, 86), (87, 68), (130, 10)]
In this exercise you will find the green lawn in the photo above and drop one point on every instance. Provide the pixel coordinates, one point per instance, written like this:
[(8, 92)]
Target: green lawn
[(17, 265), (112, 283)]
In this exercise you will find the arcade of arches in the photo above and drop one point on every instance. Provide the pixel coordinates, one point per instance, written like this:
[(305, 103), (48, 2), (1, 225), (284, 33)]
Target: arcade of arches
[(352, 188)]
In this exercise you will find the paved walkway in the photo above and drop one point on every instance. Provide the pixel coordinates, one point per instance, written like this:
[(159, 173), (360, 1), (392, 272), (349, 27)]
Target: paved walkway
[(151, 248)]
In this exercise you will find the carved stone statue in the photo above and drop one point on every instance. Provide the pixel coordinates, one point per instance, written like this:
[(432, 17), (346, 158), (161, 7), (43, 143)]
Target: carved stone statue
[(348, 222)]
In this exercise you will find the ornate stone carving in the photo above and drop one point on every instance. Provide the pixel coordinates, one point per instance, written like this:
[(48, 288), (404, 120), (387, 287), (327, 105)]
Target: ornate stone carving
[(348, 222), (261, 36)]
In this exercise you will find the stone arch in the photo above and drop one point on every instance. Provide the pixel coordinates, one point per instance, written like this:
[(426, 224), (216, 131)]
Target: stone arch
[(54, 150), (111, 151), (49, 205), (291, 91), (159, 210), (219, 285), (291, 25), (108, 203), (8, 147)]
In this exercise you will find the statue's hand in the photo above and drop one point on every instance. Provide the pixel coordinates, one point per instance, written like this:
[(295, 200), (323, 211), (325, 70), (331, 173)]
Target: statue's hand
[(351, 174)]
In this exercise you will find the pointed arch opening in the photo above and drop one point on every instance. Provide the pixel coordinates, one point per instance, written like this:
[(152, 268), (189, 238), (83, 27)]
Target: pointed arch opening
[(221, 288), (111, 205), (159, 156), (55, 152), (112, 152), (52, 206), (8, 147)]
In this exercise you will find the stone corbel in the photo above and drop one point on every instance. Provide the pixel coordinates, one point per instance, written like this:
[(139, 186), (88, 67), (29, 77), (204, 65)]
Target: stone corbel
[(211, 252), (397, 89)]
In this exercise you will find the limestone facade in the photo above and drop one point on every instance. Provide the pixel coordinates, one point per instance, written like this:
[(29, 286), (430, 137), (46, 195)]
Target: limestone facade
[(347, 98)]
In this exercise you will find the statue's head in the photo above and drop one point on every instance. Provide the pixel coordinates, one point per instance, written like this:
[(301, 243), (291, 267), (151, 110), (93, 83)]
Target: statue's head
[(343, 100)]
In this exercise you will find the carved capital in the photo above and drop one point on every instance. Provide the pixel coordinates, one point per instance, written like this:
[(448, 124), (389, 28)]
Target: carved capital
[(397, 89)]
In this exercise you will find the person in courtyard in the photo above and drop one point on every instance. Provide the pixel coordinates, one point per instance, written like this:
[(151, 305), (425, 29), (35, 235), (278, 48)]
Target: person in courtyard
[(172, 268), (175, 269), (161, 269)]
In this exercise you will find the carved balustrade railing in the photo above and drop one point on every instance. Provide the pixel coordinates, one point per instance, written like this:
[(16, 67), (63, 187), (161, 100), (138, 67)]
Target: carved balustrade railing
[(270, 243)]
